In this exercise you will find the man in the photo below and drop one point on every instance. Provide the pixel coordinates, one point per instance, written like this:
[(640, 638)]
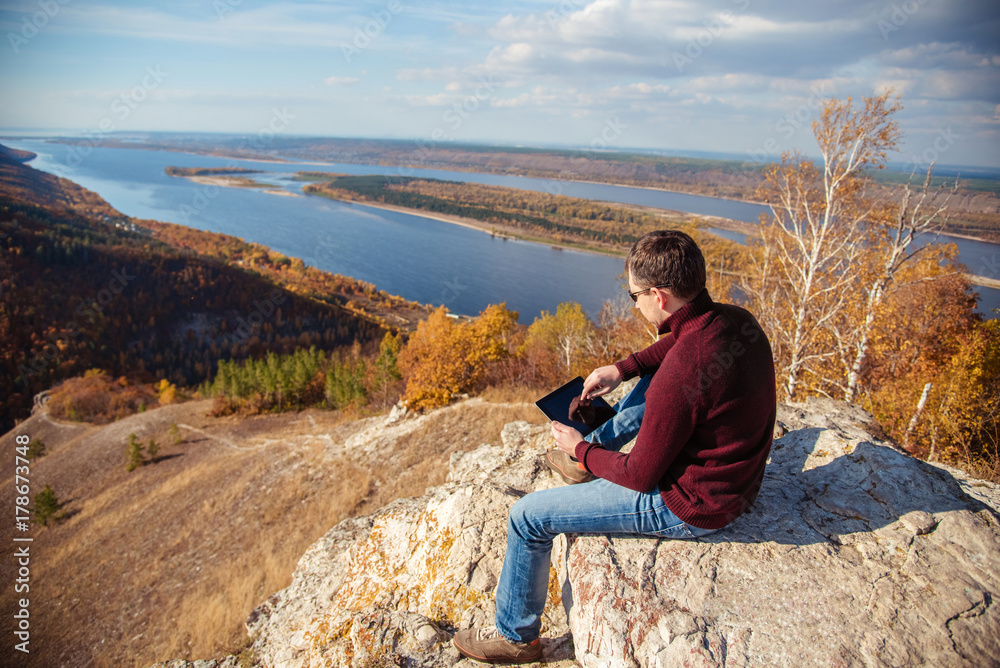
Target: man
[(702, 416)]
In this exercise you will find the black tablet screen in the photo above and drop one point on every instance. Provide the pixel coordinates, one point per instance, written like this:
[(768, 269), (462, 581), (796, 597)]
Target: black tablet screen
[(586, 417)]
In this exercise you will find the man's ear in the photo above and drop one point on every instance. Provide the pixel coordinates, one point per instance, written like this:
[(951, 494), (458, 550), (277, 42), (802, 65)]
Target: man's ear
[(663, 298)]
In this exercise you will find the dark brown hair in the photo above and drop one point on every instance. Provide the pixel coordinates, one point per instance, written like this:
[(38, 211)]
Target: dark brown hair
[(669, 259)]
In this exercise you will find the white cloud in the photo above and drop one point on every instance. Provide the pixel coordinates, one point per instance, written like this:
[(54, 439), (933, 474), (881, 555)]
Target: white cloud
[(341, 81), (933, 55), (285, 24)]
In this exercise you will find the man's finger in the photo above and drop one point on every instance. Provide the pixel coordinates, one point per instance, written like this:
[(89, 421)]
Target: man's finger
[(592, 387)]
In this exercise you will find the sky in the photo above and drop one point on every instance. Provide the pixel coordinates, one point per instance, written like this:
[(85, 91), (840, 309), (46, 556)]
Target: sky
[(741, 77)]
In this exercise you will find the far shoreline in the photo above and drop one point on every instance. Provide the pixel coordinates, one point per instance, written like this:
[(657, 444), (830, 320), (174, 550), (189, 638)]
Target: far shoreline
[(287, 161)]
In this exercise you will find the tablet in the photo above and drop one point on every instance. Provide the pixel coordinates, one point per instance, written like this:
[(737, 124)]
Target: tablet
[(556, 407)]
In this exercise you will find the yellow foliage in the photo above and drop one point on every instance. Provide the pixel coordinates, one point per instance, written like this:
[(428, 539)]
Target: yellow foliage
[(969, 413), (568, 334), (444, 358), (166, 392)]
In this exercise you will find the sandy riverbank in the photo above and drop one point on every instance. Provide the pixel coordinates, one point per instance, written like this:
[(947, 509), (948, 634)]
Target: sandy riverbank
[(493, 230), (239, 182), (224, 181), (984, 281)]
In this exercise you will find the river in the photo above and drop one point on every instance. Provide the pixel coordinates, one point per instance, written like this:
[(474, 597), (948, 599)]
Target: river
[(425, 260)]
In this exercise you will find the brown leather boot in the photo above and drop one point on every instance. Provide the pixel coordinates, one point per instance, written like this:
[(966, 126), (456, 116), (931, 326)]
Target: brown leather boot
[(568, 468), (488, 646)]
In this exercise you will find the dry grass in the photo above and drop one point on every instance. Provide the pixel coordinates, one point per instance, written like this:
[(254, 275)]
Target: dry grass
[(266, 539), (167, 561), (984, 468)]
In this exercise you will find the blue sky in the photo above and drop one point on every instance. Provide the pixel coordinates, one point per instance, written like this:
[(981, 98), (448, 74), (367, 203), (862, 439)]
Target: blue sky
[(737, 76)]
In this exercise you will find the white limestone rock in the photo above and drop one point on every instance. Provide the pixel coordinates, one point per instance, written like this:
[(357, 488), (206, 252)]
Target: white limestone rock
[(855, 554)]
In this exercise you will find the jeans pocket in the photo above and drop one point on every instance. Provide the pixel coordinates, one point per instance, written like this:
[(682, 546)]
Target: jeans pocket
[(683, 531), (679, 531)]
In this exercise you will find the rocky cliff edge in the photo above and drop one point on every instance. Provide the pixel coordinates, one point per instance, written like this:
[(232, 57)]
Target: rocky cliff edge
[(855, 554)]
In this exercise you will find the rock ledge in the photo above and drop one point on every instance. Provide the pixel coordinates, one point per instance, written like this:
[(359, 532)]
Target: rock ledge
[(855, 554)]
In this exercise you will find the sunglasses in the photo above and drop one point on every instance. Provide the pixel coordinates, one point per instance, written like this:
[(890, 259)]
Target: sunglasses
[(635, 295)]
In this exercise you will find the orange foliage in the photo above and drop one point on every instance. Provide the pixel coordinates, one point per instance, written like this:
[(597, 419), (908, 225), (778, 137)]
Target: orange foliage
[(444, 358), (98, 398)]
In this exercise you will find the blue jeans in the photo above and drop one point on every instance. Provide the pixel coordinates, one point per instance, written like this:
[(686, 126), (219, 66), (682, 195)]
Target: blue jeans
[(596, 507)]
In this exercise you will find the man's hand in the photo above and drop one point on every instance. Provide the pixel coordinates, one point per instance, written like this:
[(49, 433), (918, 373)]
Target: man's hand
[(601, 381), (566, 437)]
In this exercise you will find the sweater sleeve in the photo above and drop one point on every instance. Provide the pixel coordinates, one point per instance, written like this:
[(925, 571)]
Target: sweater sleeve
[(646, 361), (661, 439)]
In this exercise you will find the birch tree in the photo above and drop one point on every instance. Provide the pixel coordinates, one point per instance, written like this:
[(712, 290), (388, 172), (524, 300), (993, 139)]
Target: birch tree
[(801, 272), (568, 333)]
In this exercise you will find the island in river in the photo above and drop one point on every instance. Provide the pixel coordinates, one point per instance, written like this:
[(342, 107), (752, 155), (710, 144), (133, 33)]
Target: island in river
[(227, 177)]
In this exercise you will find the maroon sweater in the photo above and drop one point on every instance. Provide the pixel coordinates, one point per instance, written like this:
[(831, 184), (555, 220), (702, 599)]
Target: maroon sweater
[(709, 420)]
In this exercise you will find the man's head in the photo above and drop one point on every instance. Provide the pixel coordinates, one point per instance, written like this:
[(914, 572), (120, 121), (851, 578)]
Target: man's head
[(668, 259)]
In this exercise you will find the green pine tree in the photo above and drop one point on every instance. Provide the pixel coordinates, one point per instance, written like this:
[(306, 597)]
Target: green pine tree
[(175, 434), (387, 364), (153, 449), (36, 448), (134, 453), (46, 506)]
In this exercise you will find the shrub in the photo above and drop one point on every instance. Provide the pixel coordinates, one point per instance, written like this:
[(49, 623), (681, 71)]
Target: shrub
[(97, 398), (46, 506), (36, 448), (134, 453)]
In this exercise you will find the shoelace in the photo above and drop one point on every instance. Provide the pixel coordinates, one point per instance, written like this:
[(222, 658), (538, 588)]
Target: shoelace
[(491, 632)]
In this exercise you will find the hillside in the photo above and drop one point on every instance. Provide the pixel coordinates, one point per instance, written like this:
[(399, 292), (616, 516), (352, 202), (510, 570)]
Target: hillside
[(83, 286), (855, 554), (169, 559), (24, 184)]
